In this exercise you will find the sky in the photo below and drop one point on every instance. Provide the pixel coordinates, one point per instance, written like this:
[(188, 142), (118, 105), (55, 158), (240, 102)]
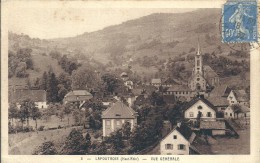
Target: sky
[(48, 23)]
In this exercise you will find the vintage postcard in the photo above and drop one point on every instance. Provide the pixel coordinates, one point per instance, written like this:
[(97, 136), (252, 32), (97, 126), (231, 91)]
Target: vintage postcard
[(130, 81)]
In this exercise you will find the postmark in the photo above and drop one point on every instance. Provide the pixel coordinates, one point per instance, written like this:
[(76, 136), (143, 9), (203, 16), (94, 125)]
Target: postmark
[(239, 22)]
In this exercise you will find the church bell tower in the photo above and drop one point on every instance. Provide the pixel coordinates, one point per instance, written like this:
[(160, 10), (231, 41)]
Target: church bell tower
[(198, 69)]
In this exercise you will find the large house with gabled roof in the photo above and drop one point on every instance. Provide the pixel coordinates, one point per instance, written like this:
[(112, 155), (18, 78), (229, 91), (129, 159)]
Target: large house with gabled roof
[(77, 96), (199, 107), (17, 96), (115, 116), (178, 141)]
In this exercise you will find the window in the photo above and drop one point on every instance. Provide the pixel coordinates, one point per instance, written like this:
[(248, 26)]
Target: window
[(230, 114), (199, 107), (198, 79), (209, 114), (191, 114), (117, 122), (198, 62), (181, 147), (174, 136), (108, 122), (168, 146), (226, 113), (232, 102)]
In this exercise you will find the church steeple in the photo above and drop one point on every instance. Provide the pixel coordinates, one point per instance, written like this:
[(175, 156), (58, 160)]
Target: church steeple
[(198, 69)]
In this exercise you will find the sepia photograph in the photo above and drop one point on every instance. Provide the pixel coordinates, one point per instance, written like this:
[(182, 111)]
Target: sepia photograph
[(130, 81)]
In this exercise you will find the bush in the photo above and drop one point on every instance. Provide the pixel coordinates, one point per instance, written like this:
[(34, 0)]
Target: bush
[(28, 129), (47, 148), (41, 128), (97, 135)]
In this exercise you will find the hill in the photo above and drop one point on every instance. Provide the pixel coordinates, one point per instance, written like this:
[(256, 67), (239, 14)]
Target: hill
[(164, 35)]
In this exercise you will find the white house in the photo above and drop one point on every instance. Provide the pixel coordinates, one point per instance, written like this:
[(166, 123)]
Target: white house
[(233, 112), (200, 106), (115, 116), (178, 141), (156, 82), (17, 96), (238, 97)]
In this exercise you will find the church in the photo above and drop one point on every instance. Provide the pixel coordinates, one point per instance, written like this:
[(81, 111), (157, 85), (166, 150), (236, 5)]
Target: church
[(203, 77), (202, 80)]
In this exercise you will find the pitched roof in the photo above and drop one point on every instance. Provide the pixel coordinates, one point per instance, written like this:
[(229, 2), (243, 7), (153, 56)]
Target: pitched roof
[(170, 81), (220, 91), (176, 88), (185, 131), (195, 100), (220, 125), (137, 91), (23, 94), (240, 95), (123, 74), (209, 72), (78, 95), (218, 101), (119, 110), (240, 109), (156, 81)]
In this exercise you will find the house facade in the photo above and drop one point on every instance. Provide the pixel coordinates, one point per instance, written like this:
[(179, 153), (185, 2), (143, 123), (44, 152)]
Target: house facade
[(238, 97), (115, 116), (213, 128), (241, 112), (177, 142), (77, 96), (17, 96), (199, 106), (156, 82)]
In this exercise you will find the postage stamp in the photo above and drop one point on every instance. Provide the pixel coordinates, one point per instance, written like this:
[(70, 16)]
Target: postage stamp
[(239, 22)]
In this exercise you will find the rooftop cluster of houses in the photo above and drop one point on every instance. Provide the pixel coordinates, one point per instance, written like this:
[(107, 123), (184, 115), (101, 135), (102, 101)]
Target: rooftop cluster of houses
[(204, 104)]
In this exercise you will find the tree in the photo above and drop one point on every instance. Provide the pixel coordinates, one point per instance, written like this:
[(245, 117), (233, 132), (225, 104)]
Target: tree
[(47, 148), (126, 130), (12, 112), (35, 114), (111, 83), (83, 77), (156, 99), (44, 81), (116, 140), (78, 116), (88, 139), (60, 114), (52, 88), (75, 144), (67, 110), (24, 112)]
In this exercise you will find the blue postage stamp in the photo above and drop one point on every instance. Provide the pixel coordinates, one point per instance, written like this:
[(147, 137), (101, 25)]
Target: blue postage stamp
[(239, 22)]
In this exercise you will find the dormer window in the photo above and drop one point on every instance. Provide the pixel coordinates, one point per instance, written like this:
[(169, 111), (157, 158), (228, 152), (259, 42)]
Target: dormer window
[(199, 107)]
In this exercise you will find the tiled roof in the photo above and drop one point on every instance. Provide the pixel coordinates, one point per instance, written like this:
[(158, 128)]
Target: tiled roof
[(241, 95), (185, 131), (195, 100), (170, 81), (23, 94), (119, 110), (175, 88), (78, 95), (156, 81), (220, 90), (212, 125), (218, 101), (240, 108), (209, 72)]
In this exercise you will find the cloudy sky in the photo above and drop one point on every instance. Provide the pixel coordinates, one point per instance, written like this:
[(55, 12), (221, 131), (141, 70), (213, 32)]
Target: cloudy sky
[(46, 22)]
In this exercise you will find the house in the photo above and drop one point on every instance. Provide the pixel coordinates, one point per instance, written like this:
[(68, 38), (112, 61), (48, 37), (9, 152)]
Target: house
[(180, 91), (178, 141), (213, 128), (17, 96), (199, 107), (115, 116), (218, 97), (156, 82), (237, 112), (169, 82), (77, 96), (238, 97)]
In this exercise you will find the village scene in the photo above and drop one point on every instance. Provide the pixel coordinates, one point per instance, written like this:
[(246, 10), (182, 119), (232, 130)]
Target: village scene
[(137, 88)]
